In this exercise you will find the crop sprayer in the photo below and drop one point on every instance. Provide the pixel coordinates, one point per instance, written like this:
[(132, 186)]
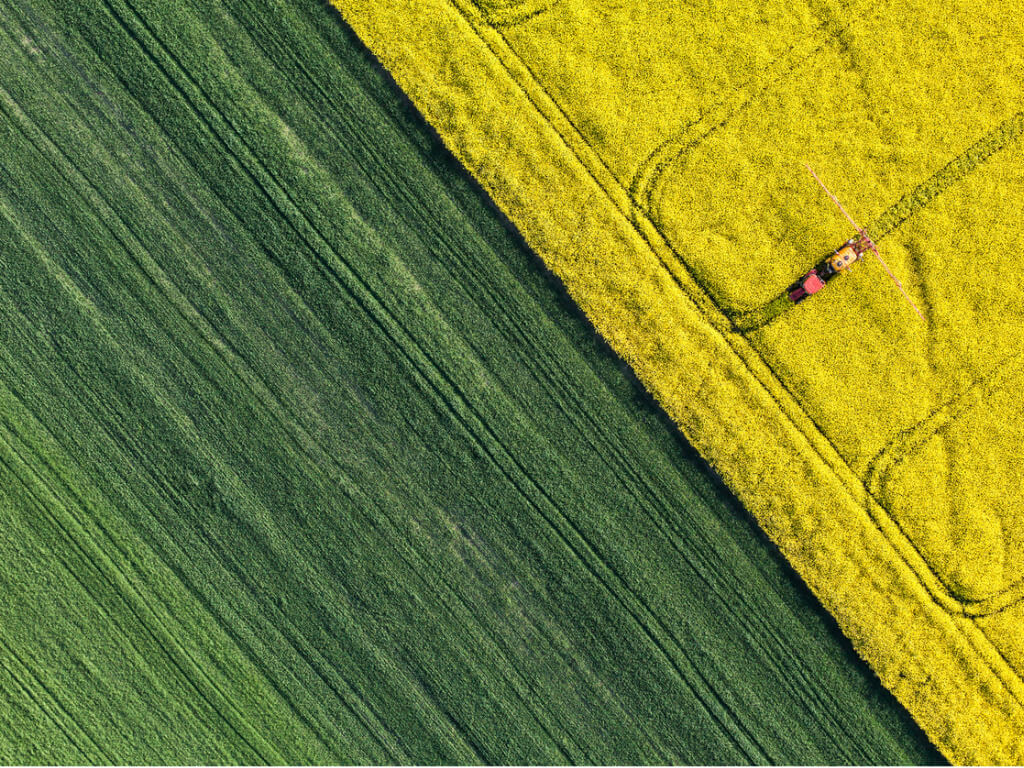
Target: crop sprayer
[(841, 260)]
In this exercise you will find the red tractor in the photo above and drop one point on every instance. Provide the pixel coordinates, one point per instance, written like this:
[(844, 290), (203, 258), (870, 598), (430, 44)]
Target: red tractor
[(808, 285), (841, 259)]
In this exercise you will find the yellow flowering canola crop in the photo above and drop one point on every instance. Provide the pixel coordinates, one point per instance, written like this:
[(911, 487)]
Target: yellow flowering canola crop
[(653, 155)]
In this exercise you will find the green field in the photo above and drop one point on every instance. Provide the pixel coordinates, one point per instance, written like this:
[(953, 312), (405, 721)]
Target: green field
[(303, 457)]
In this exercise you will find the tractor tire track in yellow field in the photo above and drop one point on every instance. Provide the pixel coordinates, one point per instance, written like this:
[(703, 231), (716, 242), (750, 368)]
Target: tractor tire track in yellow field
[(508, 13), (956, 169), (908, 441)]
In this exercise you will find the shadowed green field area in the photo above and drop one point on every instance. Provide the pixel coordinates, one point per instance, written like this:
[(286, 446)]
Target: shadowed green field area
[(303, 458)]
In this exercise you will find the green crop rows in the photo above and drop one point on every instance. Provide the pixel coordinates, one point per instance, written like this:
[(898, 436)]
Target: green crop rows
[(303, 459)]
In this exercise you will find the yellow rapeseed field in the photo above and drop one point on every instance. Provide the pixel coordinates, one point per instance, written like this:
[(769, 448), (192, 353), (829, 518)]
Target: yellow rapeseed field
[(654, 156)]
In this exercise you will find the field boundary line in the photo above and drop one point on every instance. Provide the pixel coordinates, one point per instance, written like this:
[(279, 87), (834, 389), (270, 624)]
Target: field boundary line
[(640, 487)]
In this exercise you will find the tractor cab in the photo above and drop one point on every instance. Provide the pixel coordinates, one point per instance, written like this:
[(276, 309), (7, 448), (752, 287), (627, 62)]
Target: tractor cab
[(845, 256)]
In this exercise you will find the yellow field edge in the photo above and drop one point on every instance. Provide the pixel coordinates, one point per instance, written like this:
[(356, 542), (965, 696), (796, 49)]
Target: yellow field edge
[(725, 400)]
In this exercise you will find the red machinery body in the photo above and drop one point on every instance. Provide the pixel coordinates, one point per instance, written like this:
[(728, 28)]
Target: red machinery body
[(808, 285)]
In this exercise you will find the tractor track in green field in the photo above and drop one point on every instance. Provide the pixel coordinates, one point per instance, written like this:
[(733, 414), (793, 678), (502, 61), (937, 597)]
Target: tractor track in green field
[(36, 691)]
